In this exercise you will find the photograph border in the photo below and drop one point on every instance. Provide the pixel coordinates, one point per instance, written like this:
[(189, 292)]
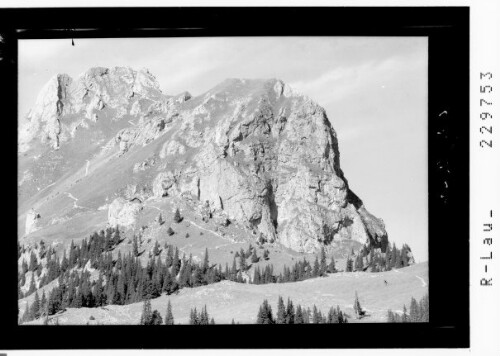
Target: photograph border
[(447, 30)]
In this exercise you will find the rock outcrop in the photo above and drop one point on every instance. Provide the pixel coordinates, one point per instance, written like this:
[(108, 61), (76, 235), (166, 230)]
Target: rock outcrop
[(124, 213), (65, 105), (268, 157), (32, 219), (253, 152)]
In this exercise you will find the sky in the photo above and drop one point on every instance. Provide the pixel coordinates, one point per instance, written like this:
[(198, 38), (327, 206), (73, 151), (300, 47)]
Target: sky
[(374, 90)]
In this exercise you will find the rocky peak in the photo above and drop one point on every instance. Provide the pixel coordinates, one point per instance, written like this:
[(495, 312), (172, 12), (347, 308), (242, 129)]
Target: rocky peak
[(268, 157), (253, 151), (65, 104)]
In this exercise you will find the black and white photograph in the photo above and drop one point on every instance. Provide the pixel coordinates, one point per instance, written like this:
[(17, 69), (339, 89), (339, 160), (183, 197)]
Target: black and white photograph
[(223, 180), (191, 178)]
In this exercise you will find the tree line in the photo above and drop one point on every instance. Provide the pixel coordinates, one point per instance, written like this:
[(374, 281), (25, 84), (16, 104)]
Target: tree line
[(291, 314), (419, 312), (376, 261)]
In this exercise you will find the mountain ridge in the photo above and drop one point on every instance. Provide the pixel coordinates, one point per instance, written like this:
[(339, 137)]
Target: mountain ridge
[(248, 150)]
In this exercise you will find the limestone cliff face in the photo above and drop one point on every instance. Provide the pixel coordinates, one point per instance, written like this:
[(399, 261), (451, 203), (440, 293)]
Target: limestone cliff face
[(267, 157), (123, 213), (32, 218), (252, 151), (65, 105)]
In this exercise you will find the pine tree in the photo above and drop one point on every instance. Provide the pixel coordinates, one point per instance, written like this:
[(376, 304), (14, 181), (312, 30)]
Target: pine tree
[(146, 316), (306, 315), (348, 267), (194, 319), (32, 287), (243, 262), (135, 247), (177, 216), (35, 307), (290, 312), (205, 262), (156, 318), (358, 311), (169, 318), (424, 308), (27, 316), (388, 258), (322, 262), (265, 314), (315, 315), (316, 271), (255, 258), (331, 266), (170, 231), (404, 317), (281, 314), (414, 311), (390, 317), (331, 318), (204, 318), (156, 249), (299, 317)]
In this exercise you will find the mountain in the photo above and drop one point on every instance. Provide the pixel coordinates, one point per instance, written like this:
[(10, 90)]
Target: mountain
[(108, 146)]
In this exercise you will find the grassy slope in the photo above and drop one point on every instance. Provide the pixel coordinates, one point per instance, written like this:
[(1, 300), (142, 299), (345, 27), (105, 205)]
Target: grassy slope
[(228, 300)]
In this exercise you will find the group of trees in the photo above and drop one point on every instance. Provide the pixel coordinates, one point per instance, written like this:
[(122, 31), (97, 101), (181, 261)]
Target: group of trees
[(300, 271), (419, 312), (149, 317), (376, 261), (201, 318), (298, 315), (124, 279)]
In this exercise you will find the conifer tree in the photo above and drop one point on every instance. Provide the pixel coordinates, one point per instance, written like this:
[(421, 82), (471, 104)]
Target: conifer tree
[(390, 317), (316, 271), (32, 287), (388, 254), (255, 258), (156, 249), (306, 313), (281, 314), (414, 311), (331, 316), (177, 216), (156, 318), (35, 306), (205, 262), (27, 316), (299, 316), (322, 261), (43, 304), (146, 316), (348, 267), (135, 247), (194, 319), (169, 318), (404, 317), (315, 315), (265, 314), (359, 263), (290, 312), (424, 308), (394, 254), (358, 311), (204, 318), (331, 266)]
